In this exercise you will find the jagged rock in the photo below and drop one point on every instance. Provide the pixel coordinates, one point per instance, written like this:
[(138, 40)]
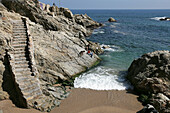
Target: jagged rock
[(68, 13), (148, 109), (162, 102), (111, 19), (57, 74), (52, 20), (151, 74), (86, 21)]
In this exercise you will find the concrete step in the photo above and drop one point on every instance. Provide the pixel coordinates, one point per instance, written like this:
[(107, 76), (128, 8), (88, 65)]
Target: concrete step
[(32, 92), (19, 35), (19, 31), (31, 87), (20, 28), (21, 66), (31, 98), (19, 45), (18, 38), (23, 73), (21, 55), (24, 79), (19, 52), (23, 87), (20, 58), (20, 49), (18, 24), (19, 42), (28, 82), (22, 69)]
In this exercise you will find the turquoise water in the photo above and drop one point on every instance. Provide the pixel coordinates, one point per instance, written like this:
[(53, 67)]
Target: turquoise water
[(136, 32)]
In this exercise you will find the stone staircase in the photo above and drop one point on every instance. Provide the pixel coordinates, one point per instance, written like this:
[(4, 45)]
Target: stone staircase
[(27, 81)]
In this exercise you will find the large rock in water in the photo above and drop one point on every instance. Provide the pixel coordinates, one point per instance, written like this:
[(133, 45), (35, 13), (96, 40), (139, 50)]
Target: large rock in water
[(111, 19), (150, 74)]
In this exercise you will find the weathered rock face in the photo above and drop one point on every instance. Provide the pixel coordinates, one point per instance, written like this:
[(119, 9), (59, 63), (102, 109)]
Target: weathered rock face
[(151, 74), (57, 19)]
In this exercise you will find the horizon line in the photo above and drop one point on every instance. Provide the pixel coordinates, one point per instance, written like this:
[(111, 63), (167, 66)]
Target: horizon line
[(116, 9)]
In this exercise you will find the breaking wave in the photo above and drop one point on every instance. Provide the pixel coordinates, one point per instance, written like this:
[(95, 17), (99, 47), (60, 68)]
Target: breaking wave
[(102, 78), (158, 18), (98, 31), (112, 48)]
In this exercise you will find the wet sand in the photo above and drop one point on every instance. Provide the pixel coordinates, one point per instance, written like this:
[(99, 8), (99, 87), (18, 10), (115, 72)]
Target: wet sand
[(90, 101), (87, 101)]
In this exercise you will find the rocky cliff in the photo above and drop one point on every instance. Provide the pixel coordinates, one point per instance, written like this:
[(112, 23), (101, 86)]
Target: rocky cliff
[(58, 39), (150, 75)]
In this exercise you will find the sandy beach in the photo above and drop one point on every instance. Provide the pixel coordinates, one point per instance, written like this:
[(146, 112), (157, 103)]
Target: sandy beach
[(90, 101), (6, 106), (87, 101)]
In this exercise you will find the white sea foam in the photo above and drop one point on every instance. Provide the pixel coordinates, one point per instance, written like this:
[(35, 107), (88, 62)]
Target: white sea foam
[(158, 18), (98, 31), (112, 48), (119, 32), (116, 23), (102, 78), (112, 26)]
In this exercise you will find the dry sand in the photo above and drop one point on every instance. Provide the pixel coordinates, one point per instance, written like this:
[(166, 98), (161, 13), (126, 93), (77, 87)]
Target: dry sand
[(90, 101), (87, 101)]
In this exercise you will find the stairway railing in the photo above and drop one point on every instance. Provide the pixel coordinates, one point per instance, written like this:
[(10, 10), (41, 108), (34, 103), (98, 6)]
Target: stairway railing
[(31, 50)]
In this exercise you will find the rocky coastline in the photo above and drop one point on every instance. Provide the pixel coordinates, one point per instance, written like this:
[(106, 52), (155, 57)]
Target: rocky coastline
[(58, 38), (58, 53)]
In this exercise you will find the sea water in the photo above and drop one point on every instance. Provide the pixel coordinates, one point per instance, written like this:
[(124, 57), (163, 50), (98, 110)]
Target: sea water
[(135, 33)]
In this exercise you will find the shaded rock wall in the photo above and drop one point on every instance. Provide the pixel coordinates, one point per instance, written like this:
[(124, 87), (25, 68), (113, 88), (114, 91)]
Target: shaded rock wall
[(150, 74)]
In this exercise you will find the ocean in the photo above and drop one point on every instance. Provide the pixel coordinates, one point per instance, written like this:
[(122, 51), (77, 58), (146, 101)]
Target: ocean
[(135, 33)]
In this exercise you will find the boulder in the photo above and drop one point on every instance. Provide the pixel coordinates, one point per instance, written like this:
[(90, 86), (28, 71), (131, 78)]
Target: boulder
[(111, 19), (150, 74), (68, 13), (165, 19), (86, 21), (148, 109)]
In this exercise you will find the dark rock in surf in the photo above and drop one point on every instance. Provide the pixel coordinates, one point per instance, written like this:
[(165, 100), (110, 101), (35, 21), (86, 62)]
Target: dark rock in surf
[(165, 19)]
